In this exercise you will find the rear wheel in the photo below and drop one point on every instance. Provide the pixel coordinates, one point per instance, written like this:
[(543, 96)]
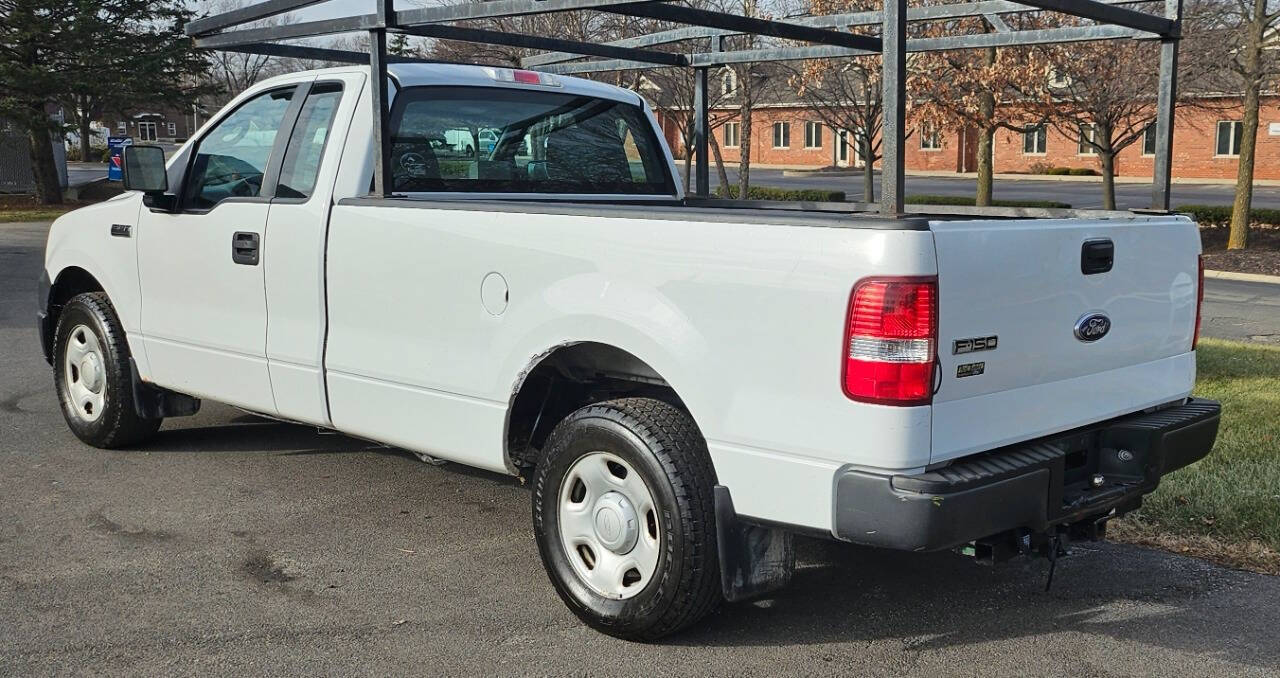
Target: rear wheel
[(92, 375), (625, 520)]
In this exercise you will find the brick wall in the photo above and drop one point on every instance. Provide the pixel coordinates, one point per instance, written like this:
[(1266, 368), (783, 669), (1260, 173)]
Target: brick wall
[(1195, 139)]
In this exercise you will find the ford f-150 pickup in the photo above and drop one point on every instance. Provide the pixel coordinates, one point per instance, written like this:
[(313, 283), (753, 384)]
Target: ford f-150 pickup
[(685, 383)]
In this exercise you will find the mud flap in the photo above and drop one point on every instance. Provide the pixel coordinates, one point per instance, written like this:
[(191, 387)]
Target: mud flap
[(153, 402), (754, 560)]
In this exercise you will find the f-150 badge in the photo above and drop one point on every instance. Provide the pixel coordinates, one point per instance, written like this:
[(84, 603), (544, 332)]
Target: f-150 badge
[(974, 344)]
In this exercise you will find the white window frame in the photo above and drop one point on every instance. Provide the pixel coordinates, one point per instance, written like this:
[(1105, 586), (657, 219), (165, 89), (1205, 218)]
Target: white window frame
[(812, 133), (930, 139), (1040, 132), (122, 126), (729, 83), (1083, 148), (1232, 144), (785, 128), (737, 138), (171, 128), (1150, 132)]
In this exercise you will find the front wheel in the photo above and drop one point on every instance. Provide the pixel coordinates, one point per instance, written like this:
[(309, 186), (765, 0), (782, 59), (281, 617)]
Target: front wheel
[(92, 375), (624, 517)]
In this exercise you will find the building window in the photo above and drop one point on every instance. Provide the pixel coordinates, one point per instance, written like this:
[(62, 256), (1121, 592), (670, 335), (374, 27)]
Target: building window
[(1230, 132), (782, 135), (1088, 134), (813, 134), (122, 126), (1149, 140), (729, 83), (1034, 140), (930, 139), (172, 128), (731, 135)]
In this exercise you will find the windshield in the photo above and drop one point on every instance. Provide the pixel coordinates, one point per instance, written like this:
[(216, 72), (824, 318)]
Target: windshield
[(496, 140)]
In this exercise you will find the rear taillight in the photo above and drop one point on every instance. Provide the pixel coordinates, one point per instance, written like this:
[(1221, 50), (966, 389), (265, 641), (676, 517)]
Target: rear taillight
[(890, 341), (1195, 338)]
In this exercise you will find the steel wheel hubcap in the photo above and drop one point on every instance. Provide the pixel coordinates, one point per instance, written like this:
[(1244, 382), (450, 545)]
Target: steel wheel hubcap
[(609, 525), (83, 374)]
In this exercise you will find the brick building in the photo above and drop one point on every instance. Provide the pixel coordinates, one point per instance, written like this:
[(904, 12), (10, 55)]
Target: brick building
[(1206, 144)]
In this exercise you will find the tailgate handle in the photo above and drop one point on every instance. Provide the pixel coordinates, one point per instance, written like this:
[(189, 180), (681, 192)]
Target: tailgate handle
[(1097, 256)]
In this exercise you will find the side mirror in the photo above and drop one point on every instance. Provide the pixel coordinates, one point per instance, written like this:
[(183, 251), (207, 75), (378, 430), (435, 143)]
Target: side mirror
[(144, 170)]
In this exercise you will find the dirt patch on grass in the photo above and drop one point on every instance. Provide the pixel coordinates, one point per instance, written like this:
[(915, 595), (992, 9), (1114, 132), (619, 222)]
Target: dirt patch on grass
[(1249, 555), (1262, 256)]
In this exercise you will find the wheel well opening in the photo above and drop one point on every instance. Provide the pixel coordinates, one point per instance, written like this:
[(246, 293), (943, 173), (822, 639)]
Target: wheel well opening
[(70, 282), (568, 378)]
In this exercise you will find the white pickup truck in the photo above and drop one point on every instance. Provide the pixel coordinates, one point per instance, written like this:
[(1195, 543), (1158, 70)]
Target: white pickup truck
[(686, 383)]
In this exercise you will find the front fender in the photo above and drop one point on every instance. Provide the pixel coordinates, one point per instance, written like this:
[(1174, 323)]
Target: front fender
[(83, 239)]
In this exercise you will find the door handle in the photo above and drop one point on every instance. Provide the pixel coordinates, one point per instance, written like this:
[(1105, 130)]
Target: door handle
[(244, 248)]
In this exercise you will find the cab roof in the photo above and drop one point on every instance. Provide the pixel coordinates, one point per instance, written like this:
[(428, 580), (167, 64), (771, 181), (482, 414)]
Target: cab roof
[(462, 75)]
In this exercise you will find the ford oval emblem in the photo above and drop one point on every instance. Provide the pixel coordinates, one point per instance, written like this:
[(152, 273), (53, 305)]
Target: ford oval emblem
[(1092, 327)]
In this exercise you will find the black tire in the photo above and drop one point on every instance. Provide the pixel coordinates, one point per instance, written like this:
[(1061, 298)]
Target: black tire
[(118, 424), (663, 444)]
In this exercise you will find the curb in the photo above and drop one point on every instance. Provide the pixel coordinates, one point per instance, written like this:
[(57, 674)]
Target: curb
[(1243, 277)]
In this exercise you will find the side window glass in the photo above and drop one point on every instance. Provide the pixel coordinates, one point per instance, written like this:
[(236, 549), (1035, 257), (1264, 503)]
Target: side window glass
[(232, 158), (306, 146)]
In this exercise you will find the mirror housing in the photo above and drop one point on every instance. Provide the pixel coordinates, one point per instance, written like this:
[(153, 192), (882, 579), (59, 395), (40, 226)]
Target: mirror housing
[(144, 170)]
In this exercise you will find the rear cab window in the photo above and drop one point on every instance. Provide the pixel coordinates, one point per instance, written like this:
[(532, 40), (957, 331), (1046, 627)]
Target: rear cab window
[(502, 140)]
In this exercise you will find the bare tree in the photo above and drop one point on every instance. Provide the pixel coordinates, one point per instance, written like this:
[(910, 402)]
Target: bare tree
[(846, 94), (1245, 34), (986, 88), (1103, 94), (671, 91)]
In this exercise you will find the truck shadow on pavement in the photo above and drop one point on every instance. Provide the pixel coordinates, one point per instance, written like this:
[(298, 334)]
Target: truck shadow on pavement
[(931, 601), (842, 593)]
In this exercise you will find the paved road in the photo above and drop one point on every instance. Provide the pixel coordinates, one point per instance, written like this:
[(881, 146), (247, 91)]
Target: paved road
[(1078, 194), (232, 545), (1246, 311)]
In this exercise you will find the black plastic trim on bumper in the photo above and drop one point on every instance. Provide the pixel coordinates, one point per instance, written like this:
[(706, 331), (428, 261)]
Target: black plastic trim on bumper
[(1034, 485), (43, 323)]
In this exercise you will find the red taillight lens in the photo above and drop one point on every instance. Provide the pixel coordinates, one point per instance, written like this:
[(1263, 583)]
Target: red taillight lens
[(890, 341), (527, 77), (1195, 338)]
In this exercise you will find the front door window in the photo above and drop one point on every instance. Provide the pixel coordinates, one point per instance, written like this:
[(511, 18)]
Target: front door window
[(146, 131)]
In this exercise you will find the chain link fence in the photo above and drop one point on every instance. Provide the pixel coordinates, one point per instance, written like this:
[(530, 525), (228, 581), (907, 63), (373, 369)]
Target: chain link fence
[(15, 163)]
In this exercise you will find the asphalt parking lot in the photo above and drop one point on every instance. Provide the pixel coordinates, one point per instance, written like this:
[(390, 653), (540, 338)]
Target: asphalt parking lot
[(237, 545)]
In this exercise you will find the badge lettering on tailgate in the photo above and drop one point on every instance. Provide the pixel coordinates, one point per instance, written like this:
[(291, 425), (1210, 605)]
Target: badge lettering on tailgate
[(970, 370), (974, 344)]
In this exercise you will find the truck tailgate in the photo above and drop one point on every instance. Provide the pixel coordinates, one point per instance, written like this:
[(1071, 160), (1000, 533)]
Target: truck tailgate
[(1011, 296)]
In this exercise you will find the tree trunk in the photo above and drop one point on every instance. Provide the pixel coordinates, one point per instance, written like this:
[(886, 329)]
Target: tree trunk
[(688, 165), (986, 135), (43, 166), (744, 149), (724, 176), (986, 166), (1238, 237), (868, 172), (1108, 160), (82, 122)]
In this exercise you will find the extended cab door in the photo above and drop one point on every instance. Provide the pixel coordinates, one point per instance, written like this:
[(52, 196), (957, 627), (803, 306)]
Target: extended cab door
[(204, 314)]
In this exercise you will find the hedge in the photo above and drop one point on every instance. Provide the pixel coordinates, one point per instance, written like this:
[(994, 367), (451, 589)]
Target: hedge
[(1071, 171), (1220, 215), (967, 201), (771, 193)]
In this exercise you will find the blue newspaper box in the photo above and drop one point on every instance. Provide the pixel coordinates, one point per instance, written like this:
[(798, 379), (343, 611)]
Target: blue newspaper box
[(115, 169)]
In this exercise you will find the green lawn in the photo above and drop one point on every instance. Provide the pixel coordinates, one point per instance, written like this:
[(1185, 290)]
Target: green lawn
[(1226, 506)]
